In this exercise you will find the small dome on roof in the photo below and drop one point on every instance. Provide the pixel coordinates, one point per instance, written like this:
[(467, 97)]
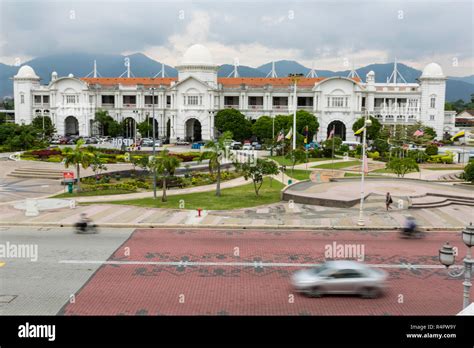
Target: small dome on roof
[(432, 70), (70, 75), (371, 73), (26, 72), (197, 55)]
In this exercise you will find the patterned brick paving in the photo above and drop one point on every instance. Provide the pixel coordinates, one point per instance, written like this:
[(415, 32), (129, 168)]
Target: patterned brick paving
[(127, 289)]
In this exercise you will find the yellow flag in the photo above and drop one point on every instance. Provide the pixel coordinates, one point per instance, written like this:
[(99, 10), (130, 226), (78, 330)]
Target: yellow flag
[(458, 135), (359, 131)]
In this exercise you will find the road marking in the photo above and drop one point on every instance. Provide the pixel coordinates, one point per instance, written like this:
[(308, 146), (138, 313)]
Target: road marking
[(254, 264)]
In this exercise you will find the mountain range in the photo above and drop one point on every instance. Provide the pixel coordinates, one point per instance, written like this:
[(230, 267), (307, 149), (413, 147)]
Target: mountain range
[(108, 65)]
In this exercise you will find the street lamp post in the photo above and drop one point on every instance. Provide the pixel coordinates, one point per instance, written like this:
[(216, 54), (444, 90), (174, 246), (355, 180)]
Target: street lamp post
[(367, 123), (152, 89), (447, 256)]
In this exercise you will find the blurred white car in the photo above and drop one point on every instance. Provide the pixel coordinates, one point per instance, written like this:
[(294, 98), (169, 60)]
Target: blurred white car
[(340, 277)]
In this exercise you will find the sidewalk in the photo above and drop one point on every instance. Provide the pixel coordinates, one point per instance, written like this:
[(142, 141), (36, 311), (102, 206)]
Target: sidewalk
[(278, 215)]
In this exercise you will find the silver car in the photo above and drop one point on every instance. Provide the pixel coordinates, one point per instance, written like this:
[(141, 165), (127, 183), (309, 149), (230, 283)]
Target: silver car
[(340, 277)]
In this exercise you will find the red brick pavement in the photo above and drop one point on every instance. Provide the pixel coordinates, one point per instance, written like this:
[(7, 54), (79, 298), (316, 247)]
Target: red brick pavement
[(238, 290)]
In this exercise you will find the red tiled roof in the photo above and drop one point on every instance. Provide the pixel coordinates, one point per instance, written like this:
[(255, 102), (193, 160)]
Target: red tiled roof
[(262, 81), (226, 81), (129, 81)]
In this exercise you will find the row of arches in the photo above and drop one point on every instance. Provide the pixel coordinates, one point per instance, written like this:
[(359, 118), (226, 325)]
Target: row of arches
[(193, 128)]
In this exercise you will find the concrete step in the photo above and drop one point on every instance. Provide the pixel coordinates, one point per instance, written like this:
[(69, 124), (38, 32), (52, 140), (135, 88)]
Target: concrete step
[(34, 176), (443, 203), (37, 173)]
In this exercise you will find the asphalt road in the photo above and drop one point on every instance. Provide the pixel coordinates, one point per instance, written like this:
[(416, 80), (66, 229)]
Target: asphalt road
[(215, 272)]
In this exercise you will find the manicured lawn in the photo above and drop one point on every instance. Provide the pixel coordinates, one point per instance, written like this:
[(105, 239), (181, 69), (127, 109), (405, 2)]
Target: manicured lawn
[(231, 198), (298, 174), (443, 168), (347, 174), (92, 193), (337, 165), (385, 170), (287, 162)]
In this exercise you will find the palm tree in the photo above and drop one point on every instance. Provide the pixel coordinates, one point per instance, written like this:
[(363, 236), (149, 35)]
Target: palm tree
[(215, 156), (78, 157), (165, 166)]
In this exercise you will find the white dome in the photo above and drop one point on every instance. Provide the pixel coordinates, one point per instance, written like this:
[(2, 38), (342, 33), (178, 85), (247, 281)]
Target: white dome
[(26, 72), (432, 70), (197, 55)]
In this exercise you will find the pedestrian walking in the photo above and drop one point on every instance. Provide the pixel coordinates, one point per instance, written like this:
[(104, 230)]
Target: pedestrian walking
[(388, 201)]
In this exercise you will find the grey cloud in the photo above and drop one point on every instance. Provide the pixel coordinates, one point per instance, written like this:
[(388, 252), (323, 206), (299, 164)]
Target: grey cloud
[(319, 28)]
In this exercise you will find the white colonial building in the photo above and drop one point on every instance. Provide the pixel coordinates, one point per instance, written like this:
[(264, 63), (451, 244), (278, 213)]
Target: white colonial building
[(184, 107)]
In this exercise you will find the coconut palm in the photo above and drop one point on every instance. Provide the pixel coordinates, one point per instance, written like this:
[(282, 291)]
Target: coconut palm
[(165, 166), (78, 156), (215, 155)]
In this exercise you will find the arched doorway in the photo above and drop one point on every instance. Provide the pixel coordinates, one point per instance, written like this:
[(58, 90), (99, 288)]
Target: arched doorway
[(193, 130), (71, 126), (339, 129), (129, 127)]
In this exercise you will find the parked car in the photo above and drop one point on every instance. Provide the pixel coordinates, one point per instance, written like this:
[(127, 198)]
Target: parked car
[(236, 145), (182, 142), (340, 277), (256, 145)]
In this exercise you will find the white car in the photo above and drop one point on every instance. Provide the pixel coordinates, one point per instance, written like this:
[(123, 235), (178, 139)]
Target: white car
[(340, 277), (247, 147)]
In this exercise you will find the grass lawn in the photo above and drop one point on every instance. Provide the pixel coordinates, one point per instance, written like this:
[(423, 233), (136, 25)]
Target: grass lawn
[(385, 170), (337, 165), (298, 174), (231, 198), (287, 162), (91, 193), (443, 168)]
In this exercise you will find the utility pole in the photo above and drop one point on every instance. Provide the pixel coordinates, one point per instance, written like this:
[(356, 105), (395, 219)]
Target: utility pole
[(152, 89)]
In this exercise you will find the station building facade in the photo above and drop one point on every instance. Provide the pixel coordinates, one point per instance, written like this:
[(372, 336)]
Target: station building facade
[(184, 107)]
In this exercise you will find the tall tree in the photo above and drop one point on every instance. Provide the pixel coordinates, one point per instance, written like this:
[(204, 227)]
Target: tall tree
[(78, 156), (234, 121), (165, 166), (217, 152), (372, 132), (44, 125)]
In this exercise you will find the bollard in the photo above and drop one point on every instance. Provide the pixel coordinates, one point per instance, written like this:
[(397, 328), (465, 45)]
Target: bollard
[(199, 212), (290, 181), (400, 204)]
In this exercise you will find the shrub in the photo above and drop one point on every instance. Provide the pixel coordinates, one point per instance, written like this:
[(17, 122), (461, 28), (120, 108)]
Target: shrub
[(468, 174), (374, 155), (431, 150), (55, 159), (44, 154)]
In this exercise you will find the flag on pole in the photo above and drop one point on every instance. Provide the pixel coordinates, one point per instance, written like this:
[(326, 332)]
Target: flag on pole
[(290, 133), (305, 133), (458, 135), (418, 133), (281, 136), (331, 134), (357, 132)]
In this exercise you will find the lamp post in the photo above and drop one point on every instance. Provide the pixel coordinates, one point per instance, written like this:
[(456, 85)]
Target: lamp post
[(152, 89), (367, 123), (447, 256)]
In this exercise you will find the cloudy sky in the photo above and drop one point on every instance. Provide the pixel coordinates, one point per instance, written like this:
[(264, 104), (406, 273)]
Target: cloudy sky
[(332, 34)]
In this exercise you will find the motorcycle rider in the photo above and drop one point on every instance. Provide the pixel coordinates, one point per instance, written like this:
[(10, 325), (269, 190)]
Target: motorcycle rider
[(84, 223), (410, 226)]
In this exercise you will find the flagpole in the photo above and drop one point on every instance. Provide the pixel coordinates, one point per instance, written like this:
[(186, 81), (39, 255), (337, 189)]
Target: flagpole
[(367, 123), (332, 152)]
